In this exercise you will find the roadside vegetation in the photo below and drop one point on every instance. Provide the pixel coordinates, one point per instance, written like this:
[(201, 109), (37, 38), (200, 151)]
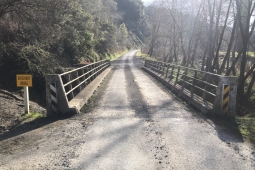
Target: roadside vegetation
[(144, 56), (213, 36), (116, 55), (31, 117), (247, 126), (44, 37)]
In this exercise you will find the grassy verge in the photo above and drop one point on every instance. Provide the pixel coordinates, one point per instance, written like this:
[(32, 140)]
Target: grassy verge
[(247, 127), (144, 56), (249, 53), (114, 56), (31, 117)]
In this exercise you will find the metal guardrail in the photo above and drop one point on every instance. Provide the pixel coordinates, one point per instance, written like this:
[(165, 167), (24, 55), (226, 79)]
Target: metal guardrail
[(63, 88), (207, 91), (76, 80)]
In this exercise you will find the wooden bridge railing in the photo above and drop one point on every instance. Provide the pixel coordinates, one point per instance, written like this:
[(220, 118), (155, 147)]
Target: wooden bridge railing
[(207, 91)]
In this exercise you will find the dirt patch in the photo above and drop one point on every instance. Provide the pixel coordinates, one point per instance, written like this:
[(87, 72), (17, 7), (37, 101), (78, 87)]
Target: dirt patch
[(12, 109)]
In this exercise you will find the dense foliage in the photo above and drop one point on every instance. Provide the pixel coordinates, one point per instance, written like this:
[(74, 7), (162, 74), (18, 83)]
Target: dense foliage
[(40, 37)]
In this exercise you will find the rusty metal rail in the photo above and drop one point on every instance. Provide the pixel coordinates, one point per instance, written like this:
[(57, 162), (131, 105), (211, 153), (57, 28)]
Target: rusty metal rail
[(202, 89)]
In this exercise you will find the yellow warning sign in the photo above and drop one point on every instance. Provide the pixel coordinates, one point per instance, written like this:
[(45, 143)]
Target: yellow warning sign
[(24, 80)]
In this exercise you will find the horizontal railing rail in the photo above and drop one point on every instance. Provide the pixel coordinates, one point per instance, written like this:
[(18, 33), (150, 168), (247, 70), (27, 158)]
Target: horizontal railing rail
[(193, 84), (76, 80), (199, 80), (63, 88)]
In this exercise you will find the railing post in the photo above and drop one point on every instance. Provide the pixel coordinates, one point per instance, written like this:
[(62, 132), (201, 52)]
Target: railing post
[(51, 95), (82, 79), (78, 81), (93, 71), (162, 69), (225, 100), (98, 65), (153, 65), (90, 73), (178, 72), (208, 78), (56, 101), (184, 78), (168, 66), (158, 68), (171, 77), (69, 87), (193, 84)]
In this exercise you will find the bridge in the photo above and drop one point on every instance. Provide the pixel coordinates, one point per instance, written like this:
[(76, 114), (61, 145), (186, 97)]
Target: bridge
[(66, 93), (210, 93), (137, 123)]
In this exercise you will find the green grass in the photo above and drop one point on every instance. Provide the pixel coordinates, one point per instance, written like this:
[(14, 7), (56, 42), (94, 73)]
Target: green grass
[(247, 126), (144, 56), (116, 55), (250, 54), (31, 116)]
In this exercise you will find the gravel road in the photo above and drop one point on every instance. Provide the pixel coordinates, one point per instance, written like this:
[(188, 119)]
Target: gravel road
[(136, 125)]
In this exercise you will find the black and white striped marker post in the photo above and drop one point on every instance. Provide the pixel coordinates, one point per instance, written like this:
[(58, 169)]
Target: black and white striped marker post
[(54, 101)]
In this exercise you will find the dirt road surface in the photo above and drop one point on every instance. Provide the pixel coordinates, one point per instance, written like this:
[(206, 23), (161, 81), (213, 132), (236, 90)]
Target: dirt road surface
[(137, 125)]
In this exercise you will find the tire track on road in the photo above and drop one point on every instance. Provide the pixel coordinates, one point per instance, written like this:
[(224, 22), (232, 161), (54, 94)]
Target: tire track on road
[(151, 132), (135, 97)]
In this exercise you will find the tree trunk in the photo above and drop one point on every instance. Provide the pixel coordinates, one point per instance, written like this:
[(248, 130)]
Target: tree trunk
[(216, 59), (246, 10), (250, 85), (210, 36), (216, 39), (249, 72), (194, 52), (189, 56), (227, 56), (203, 61)]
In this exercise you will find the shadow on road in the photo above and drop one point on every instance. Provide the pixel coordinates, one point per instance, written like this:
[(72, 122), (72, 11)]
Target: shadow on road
[(123, 135), (226, 128), (29, 126)]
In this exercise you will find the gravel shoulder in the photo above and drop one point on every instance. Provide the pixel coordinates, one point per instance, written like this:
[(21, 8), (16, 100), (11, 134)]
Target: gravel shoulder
[(132, 122)]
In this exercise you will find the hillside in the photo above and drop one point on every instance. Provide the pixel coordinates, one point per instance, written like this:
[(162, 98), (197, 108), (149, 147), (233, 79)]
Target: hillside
[(43, 37)]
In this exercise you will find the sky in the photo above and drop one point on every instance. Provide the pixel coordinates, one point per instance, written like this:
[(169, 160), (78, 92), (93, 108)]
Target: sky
[(147, 2)]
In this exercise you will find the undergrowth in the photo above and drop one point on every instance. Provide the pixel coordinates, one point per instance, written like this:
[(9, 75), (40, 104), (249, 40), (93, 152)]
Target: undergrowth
[(144, 56), (247, 126), (31, 116)]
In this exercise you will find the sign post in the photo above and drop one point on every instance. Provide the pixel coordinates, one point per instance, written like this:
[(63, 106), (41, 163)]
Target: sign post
[(25, 80)]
